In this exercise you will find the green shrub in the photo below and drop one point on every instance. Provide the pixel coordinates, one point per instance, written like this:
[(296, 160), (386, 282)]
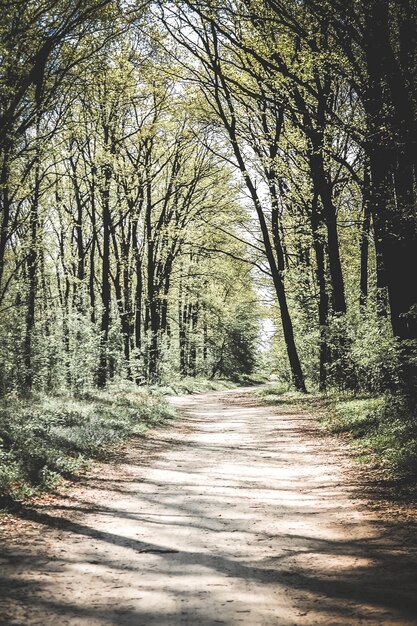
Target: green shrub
[(189, 385), (45, 438), (381, 427)]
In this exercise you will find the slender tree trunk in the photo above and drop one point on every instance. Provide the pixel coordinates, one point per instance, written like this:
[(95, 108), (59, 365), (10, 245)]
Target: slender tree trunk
[(5, 212), (323, 303), (122, 290), (205, 345), (79, 238), (277, 277), (364, 241), (91, 278), (322, 189), (228, 116), (182, 329), (66, 331), (127, 322), (138, 295), (191, 346), (32, 271), (166, 281), (152, 296), (103, 372)]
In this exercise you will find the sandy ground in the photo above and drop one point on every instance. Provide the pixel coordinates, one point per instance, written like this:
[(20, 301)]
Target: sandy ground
[(239, 515)]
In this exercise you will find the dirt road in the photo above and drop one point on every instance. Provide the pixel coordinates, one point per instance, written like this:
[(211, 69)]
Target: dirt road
[(239, 515)]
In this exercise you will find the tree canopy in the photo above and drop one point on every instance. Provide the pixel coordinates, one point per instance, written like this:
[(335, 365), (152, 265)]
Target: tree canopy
[(172, 173)]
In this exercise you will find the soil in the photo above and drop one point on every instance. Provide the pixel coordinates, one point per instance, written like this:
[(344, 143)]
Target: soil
[(239, 514)]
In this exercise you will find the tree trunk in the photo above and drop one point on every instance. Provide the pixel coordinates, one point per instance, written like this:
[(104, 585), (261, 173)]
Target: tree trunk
[(79, 238), (323, 304), (393, 199), (91, 286), (32, 271), (277, 277), (102, 372), (5, 211), (152, 296), (322, 189), (182, 330), (138, 296), (364, 241)]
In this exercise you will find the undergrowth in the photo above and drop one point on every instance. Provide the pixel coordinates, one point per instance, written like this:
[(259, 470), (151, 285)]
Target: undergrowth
[(46, 438), (191, 385), (381, 427)]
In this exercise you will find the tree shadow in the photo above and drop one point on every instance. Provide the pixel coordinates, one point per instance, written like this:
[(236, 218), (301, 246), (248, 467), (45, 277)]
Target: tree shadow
[(366, 579), (381, 583)]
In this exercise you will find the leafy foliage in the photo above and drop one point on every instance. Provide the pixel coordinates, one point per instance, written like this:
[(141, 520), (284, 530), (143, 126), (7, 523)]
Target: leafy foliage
[(380, 427), (48, 437)]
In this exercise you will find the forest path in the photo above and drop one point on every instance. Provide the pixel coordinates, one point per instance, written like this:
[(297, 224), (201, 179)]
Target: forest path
[(238, 515)]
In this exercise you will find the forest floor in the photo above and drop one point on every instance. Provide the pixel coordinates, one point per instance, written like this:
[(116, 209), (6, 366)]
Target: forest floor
[(239, 514)]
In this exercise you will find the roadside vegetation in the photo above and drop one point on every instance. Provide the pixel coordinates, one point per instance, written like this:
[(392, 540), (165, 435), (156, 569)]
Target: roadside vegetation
[(191, 385), (45, 438), (379, 427)]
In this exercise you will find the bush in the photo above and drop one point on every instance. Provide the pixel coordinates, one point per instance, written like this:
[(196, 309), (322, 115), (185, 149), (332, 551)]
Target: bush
[(189, 385), (45, 438), (382, 427)]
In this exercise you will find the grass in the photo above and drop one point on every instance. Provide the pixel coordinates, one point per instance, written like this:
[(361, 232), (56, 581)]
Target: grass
[(189, 385), (381, 428), (46, 438), (184, 386)]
